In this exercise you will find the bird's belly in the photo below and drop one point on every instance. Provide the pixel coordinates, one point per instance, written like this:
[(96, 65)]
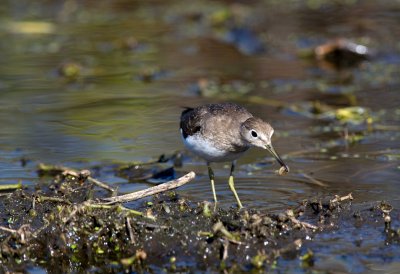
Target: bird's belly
[(206, 150)]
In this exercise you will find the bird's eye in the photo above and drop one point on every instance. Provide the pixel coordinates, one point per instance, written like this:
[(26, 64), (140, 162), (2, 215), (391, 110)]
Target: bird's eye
[(254, 134)]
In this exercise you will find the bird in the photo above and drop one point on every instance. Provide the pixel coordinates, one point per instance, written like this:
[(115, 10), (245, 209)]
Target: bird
[(223, 132)]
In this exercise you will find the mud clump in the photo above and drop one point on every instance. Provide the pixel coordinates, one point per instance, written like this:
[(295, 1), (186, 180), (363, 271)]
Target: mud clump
[(64, 227)]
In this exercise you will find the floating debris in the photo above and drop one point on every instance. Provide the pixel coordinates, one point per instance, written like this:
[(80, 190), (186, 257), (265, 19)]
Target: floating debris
[(355, 115), (70, 70), (341, 53)]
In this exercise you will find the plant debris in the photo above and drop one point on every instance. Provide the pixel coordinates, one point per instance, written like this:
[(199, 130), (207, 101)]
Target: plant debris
[(65, 227)]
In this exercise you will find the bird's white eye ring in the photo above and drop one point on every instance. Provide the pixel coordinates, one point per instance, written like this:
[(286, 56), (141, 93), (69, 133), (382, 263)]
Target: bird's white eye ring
[(254, 134)]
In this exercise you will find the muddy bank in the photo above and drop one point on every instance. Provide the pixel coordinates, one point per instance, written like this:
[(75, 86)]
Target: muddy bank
[(64, 226)]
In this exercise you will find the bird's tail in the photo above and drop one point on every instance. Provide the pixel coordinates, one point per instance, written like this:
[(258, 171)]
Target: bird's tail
[(186, 110)]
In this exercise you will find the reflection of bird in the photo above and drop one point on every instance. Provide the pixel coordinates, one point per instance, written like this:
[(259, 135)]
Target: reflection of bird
[(222, 133)]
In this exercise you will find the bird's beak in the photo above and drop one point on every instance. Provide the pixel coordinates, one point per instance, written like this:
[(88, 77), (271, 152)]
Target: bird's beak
[(271, 149)]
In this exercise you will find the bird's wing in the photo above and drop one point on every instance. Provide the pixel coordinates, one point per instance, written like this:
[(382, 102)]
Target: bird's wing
[(190, 122)]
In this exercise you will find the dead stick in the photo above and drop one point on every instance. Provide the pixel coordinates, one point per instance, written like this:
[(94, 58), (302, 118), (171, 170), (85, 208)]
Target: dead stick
[(83, 174), (290, 215), (8, 229), (105, 206), (41, 198), (152, 190), (10, 187), (343, 198), (219, 227), (100, 184), (130, 232)]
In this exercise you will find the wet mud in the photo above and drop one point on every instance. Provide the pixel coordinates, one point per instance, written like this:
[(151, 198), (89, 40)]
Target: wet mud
[(63, 226)]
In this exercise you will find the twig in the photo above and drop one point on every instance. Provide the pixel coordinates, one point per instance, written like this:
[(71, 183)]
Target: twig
[(100, 184), (205, 234), (51, 170), (129, 228), (23, 232), (151, 191), (152, 225), (75, 210), (10, 186), (104, 206), (219, 227), (341, 199), (92, 205), (85, 175), (290, 215), (8, 229), (41, 198), (225, 247), (81, 175)]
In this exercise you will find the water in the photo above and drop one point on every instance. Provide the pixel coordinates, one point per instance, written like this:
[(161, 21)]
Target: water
[(109, 113), (140, 63)]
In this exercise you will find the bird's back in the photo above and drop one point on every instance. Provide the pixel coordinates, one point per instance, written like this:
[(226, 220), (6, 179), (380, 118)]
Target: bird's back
[(211, 117), (216, 124)]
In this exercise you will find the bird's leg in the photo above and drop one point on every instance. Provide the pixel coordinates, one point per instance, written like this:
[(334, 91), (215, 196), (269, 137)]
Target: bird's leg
[(211, 175), (232, 185)]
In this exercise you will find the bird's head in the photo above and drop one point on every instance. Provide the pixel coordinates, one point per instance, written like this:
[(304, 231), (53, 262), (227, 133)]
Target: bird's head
[(256, 132)]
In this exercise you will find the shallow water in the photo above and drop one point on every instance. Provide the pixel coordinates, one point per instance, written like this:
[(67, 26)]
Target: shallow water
[(140, 63)]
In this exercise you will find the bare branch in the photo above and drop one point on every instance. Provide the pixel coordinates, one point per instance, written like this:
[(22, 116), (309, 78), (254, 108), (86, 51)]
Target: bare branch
[(152, 190)]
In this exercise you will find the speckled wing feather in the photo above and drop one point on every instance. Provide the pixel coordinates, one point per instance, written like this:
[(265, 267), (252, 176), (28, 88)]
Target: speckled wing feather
[(210, 118), (189, 124)]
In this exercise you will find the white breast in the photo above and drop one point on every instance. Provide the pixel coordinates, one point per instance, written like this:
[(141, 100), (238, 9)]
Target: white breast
[(206, 150)]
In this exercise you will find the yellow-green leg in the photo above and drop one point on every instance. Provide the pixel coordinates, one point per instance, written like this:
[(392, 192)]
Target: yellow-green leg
[(232, 185), (211, 175)]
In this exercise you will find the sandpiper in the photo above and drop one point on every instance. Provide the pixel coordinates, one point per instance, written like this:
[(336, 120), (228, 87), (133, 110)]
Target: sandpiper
[(222, 133)]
